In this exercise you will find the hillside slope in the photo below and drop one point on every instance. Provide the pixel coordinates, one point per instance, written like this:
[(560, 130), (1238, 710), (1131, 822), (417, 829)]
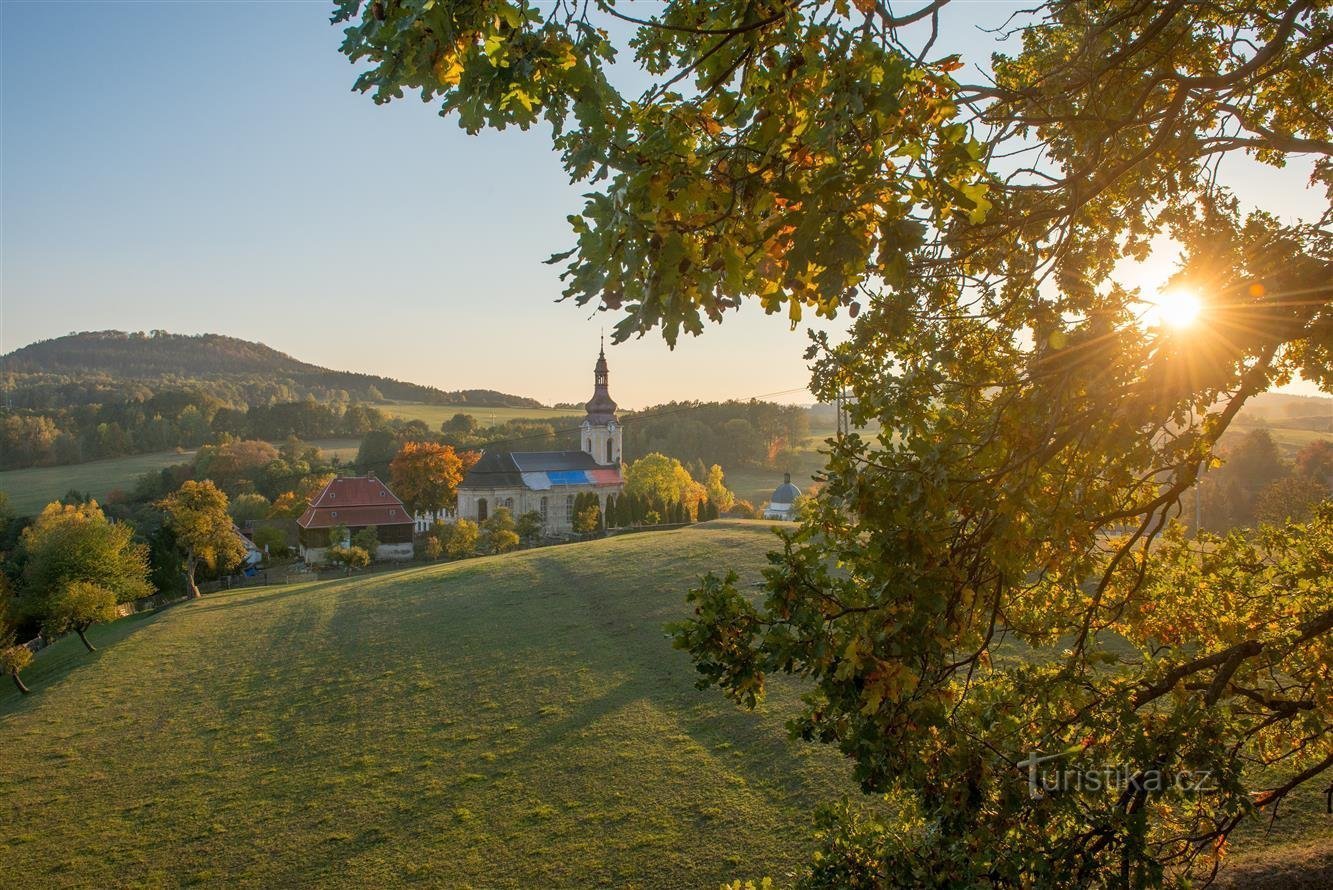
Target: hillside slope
[(501, 722), (164, 359)]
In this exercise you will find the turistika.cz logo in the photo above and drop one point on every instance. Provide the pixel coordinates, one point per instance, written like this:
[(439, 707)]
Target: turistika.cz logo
[(1048, 774)]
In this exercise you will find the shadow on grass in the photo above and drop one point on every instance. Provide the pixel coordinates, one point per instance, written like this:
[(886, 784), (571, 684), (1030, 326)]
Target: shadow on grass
[(54, 663)]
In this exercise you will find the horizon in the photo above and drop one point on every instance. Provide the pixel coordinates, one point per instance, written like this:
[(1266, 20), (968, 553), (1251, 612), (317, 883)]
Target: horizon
[(194, 172)]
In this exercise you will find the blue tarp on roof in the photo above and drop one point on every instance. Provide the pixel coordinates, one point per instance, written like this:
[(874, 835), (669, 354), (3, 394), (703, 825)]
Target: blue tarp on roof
[(569, 477)]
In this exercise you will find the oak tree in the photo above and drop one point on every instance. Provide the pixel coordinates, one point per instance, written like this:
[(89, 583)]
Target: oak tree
[(1022, 436)]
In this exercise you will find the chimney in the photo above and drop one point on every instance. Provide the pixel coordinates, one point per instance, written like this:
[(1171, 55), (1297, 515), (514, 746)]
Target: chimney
[(786, 478)]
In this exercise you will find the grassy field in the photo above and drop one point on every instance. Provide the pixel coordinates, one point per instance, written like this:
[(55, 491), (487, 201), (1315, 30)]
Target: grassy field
[(30, 490), (1288, 441), (514, 721), (434, 415)]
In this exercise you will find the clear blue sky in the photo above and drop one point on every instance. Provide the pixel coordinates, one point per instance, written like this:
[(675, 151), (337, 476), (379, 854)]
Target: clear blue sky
[(205, 167)]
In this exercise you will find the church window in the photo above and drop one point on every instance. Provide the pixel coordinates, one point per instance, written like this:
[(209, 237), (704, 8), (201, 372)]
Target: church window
[(608, 451), (543, 511), (569, 508), (509, 504), (481, 509)]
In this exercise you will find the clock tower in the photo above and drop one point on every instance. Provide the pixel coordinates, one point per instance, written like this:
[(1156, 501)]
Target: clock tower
[(600, 429)]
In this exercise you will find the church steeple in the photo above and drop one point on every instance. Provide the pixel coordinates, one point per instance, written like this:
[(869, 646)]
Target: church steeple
[(601, 408), (601, 432)]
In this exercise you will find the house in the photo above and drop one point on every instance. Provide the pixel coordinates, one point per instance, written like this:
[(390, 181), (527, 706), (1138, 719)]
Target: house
[(355, 502), (547, 482), (783, 503)]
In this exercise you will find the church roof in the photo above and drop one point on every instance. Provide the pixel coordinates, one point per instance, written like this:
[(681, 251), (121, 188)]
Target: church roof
[(538, 470)]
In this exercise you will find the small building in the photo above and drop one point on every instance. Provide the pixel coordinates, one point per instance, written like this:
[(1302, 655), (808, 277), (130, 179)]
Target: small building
[(356, 502), (783, 503), (547, 482)]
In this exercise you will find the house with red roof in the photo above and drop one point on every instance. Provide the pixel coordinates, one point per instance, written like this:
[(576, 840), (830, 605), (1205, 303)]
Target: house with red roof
[(356, 503)]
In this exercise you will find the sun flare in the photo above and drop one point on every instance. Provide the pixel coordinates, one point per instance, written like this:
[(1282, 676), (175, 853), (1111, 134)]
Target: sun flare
[(1177, 308)]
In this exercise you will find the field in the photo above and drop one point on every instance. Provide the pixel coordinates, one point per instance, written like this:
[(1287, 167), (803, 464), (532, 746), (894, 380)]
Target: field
[(1288, 441), (434, 415), (30, 490), (501, 722)]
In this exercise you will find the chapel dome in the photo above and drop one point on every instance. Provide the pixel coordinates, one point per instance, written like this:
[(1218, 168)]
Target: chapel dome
[(786, 493)]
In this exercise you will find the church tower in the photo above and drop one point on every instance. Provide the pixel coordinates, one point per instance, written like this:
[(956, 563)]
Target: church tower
[(600, 431)]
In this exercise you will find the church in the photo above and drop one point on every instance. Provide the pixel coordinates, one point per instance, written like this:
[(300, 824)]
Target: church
[(546, 482)]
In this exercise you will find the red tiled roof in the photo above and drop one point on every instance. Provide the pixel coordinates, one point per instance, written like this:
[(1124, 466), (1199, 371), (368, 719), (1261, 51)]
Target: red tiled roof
[(355, 501)]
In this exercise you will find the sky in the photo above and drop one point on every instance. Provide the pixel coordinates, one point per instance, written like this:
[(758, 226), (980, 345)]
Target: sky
[(205, 167)]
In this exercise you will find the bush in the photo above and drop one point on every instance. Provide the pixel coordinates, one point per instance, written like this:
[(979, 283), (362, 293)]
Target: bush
[(503, 541), (463, 539), (272, 540), (349, 557), (368, 539)]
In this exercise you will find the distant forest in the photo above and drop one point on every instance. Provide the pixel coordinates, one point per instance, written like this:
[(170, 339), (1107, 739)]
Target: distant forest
[(108, 393)]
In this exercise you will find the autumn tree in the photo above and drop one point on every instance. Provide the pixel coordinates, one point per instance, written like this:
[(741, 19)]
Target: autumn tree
[(662, 481), (1315, 461), (426, 475), (72, 543), (14, 656), (719, 495), (197, 515), (1023, 435), (77, 606)]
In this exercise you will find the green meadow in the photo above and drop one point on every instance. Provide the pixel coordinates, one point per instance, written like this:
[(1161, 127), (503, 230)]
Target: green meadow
[(434, 415), (514, 721), (31, 489)]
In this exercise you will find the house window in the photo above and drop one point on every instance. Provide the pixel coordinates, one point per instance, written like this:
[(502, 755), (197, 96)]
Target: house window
[(334, 514), (569, 509), (393, 512), (481, 509), (543, 511), (509, 503)]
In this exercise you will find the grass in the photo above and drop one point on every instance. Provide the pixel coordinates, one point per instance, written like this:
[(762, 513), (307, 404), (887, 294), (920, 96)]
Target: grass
[(31, 489), (512, 721), (434, 415)]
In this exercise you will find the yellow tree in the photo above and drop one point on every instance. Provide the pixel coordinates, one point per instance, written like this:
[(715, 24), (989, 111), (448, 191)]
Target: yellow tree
[(197, 515)]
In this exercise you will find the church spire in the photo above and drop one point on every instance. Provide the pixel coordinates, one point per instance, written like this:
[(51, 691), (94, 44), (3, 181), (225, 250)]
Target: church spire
[(601, 409)]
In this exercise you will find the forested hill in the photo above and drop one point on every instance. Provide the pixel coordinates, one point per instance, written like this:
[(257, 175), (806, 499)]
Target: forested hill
[(98, 366)]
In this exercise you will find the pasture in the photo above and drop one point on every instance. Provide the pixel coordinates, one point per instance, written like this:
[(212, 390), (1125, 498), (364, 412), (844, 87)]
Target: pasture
[(512, 721), (434, 415), (31, 489)]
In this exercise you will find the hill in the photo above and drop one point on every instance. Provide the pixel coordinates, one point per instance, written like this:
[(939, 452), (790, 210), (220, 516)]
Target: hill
[(502, 722), (160, 360), (512, 721)]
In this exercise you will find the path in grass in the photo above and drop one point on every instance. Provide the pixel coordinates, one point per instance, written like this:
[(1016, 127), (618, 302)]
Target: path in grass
[(512, 721)]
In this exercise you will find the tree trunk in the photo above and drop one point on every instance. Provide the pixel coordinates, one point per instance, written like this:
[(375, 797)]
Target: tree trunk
[(19, 683), (79, 631), (190, 564)]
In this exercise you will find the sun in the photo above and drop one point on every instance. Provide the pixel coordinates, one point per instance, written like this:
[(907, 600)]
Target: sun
[(1177, 308)]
